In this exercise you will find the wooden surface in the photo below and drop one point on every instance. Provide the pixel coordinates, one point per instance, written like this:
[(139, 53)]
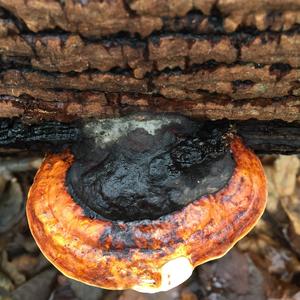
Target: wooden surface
[(264, 137), (67, 60)]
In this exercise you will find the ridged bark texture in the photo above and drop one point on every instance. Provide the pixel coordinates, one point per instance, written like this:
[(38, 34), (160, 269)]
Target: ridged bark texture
[(73, 59)]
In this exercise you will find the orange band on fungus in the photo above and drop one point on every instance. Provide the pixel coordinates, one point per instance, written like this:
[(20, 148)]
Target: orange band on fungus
[(143, 254)]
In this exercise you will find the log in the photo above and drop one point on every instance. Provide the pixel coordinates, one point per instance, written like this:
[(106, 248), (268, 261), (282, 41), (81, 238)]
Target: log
[(66, 61), (77, 59), (92, 18), (264, 137)]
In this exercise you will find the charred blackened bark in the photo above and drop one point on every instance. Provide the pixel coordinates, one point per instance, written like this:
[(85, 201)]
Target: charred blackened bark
[(264, 137), (43, 136)]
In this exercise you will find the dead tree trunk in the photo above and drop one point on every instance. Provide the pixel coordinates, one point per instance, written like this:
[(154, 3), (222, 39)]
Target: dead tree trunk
[(265, 137), (68, 60)]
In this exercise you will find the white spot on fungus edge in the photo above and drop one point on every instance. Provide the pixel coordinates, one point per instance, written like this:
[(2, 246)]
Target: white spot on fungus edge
[(173, 273)]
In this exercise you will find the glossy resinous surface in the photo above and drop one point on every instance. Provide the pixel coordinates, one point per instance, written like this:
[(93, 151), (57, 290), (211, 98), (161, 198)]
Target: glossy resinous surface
[(145, 167)]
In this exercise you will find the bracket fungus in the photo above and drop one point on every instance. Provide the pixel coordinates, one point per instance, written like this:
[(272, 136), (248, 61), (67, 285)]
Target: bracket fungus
[(142, 200)]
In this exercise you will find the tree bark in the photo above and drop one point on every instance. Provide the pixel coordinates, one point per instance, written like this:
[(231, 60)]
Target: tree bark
[(264, 137), (76, 59)]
